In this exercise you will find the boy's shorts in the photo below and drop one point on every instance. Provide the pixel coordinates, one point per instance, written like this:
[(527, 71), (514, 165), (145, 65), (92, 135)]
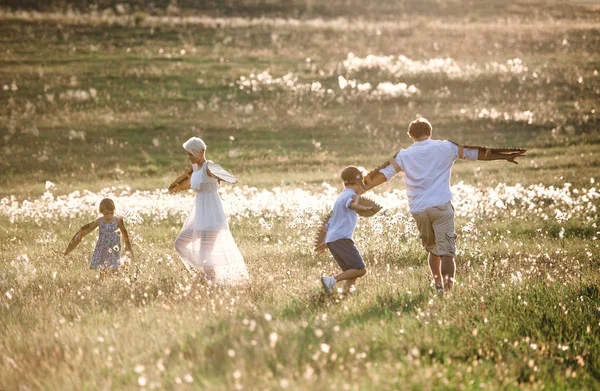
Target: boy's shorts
[(436, 230), (346, 254)]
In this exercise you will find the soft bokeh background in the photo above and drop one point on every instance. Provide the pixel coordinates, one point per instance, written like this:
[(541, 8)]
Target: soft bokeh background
[(96, 98)]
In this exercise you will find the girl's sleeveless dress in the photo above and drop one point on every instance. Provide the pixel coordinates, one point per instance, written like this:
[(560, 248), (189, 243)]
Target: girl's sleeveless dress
[(107, 252), (205, 243)]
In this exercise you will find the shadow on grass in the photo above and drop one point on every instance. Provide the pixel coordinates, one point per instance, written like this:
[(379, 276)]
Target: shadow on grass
[(388, 306), (298, 307)]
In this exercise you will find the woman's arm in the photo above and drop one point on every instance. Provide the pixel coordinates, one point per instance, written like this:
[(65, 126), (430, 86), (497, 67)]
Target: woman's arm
[(121, 225), (212, 176)]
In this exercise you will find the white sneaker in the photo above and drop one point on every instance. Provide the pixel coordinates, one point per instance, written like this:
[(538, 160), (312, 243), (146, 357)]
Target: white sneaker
[(328, 283)]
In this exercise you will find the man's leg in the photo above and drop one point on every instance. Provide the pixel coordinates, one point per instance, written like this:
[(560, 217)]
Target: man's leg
[(448, 269), (435, 264), (445, 236)]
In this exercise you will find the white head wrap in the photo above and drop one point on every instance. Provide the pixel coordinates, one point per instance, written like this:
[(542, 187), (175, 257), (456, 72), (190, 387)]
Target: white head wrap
[(194, 145)]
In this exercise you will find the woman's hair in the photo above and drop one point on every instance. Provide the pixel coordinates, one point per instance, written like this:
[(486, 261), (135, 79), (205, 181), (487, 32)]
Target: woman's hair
[(107, 205), (419, 128), (194, 145)]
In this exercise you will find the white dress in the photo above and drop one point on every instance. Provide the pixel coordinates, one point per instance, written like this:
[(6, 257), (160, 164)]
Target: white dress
[(205, 243)]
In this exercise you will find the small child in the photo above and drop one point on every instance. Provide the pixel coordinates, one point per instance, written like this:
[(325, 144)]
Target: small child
[(340, 228), (107, 254)]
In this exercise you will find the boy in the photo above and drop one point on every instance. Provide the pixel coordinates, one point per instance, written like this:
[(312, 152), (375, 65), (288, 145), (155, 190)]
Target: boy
[(340, 228)]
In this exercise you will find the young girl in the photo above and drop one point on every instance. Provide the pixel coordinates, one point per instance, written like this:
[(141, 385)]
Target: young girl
[(107, 254)]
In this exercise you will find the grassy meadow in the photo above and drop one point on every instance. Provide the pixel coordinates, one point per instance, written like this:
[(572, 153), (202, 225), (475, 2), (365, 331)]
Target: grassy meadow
[(97, 101)]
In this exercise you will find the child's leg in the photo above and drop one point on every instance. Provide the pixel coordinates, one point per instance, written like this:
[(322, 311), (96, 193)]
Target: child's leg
[(350, 274), (348, 258), (350, 285)]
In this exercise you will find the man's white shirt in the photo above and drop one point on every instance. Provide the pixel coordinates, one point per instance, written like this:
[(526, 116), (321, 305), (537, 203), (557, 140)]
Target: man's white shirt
[(427, 165)]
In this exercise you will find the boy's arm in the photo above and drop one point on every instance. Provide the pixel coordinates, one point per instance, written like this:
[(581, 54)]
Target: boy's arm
[(121, 226), (354, 205)]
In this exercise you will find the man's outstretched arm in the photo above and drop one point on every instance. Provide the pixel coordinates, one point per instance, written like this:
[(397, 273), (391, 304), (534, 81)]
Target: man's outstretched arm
[(509, 157), (374, 181)]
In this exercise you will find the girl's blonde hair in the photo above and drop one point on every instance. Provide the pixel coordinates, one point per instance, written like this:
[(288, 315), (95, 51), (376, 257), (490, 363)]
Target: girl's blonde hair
[(107, 204)]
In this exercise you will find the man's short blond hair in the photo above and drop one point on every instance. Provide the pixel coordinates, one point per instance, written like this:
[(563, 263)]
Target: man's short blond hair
[(419, 128)]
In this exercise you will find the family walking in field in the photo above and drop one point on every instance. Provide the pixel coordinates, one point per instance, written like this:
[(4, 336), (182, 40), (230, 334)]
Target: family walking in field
[(206, 245)]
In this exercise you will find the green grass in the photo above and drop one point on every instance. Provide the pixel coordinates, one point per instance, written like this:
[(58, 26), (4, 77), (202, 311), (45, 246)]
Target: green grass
[(524, 314)]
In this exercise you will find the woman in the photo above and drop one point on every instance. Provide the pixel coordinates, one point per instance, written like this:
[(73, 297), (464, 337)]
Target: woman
[(205, 243)]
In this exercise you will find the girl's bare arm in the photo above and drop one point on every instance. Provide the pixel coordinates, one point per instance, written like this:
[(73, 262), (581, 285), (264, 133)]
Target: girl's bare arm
[(121, 225), (86, 229)]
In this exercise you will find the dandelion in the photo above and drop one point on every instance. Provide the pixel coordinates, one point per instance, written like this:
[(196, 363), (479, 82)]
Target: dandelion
[(273, 337), (325, 348)]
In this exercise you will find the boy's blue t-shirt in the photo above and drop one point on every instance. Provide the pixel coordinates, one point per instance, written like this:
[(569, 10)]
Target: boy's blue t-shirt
[(343, 219)]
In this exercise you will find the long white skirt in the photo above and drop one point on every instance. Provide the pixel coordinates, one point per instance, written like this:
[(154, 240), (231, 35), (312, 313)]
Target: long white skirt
[(206, 245)]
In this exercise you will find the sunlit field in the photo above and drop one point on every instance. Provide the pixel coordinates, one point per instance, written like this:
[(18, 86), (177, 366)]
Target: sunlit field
[(95, 102)]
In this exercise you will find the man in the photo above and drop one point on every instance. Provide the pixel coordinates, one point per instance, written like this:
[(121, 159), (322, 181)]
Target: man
[(426, 165)]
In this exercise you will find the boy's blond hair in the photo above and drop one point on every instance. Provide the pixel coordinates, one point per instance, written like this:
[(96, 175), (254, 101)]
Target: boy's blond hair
[(352, 175)]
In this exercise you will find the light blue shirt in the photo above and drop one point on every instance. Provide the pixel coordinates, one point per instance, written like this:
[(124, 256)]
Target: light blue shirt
[(343, 219), (426, 165)]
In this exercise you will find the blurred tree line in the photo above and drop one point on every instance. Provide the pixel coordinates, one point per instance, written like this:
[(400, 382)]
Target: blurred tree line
[(306, 8)]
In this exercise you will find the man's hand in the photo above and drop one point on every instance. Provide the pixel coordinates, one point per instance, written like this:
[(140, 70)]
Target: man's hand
[(513, 156), (376, 180)]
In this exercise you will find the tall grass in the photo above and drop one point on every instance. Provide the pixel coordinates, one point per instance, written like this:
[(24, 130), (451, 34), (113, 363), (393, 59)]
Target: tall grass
[(98, 103)]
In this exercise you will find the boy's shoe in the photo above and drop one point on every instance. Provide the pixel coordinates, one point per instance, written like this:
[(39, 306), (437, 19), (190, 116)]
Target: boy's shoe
[(439, 289), (328, 283)]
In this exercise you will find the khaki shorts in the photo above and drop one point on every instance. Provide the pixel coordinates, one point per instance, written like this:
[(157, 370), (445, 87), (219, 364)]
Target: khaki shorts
[(436, 230)]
